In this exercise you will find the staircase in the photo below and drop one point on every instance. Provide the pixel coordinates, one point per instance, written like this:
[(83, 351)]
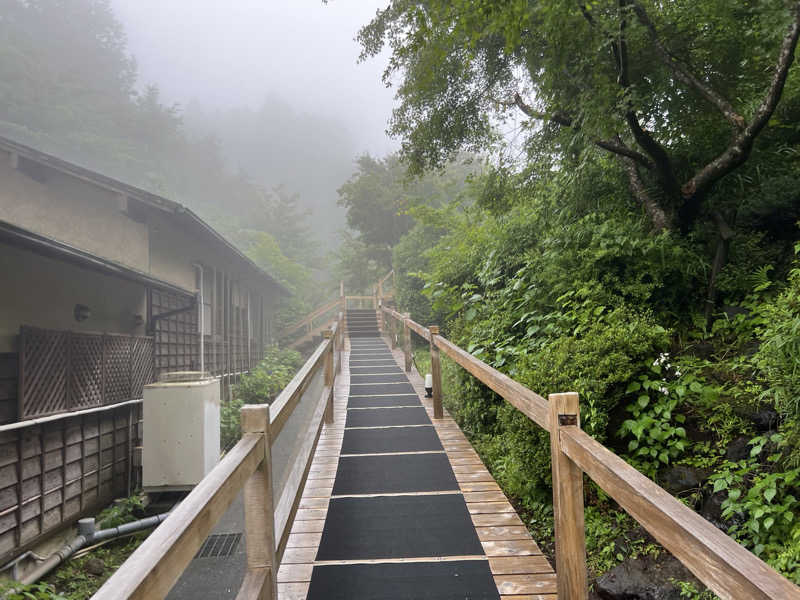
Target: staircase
[(362, 323)]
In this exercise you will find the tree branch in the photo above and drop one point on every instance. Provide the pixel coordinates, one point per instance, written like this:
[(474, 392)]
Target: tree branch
[(683, 74), (742, 145), (616, 147), (534, 114), (655, 213)]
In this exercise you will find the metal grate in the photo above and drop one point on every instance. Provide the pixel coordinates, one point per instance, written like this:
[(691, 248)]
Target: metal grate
[(224, 544)]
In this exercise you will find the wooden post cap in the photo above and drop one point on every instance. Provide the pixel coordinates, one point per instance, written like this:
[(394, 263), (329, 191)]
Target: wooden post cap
[(327, 333), (434, 329)]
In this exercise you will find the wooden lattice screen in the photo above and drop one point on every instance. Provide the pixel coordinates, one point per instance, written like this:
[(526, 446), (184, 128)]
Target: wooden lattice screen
[(177, 344), (63, 371)]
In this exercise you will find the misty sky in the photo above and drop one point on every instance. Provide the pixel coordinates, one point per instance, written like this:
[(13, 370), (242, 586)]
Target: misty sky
[(227, 54)]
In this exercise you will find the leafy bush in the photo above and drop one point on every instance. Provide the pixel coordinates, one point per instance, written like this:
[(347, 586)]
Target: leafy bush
[(13, 590), (778, 354), (260, 386)]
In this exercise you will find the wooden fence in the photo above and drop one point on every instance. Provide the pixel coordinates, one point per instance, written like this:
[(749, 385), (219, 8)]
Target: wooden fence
[(56, 468), (157, 564), (724, 566), (64, 371)]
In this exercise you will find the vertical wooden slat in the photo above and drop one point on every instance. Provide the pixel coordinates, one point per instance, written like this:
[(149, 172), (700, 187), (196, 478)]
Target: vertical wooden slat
[(407, 342), (436, 373), (64, 470), (329, 375), (83, 462), (567, 502), (259, 509), (18, 532), (41, 479)]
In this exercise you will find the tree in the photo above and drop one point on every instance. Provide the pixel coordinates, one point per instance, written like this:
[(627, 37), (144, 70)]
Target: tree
[(678, 91), (380, 198)]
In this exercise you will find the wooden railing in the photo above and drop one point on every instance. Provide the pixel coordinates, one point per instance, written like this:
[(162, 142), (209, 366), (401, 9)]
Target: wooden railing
[(157, 564), (724, 566), (383, 291)]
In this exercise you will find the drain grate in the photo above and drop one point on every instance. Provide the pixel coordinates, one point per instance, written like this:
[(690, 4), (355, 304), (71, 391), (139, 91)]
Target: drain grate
[(224, 544)]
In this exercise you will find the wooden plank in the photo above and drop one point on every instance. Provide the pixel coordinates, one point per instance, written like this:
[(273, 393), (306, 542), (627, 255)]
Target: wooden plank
[(724, 566), (567, 501), (519, 565), (510, 548), (539, 583), (528, 402), (499, 533)]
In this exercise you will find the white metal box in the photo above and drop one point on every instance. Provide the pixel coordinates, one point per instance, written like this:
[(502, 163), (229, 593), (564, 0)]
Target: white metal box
[(180, 436)]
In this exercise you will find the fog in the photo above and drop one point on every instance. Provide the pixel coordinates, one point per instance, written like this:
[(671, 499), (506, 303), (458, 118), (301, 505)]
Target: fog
[(278, 82), (236, 54)]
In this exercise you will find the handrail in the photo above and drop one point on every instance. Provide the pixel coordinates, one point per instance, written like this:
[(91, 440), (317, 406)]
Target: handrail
[(723, 565), (317, 312), (156, 565)]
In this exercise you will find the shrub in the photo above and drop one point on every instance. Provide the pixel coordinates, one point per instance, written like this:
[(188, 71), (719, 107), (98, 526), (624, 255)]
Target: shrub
[(260, 386)]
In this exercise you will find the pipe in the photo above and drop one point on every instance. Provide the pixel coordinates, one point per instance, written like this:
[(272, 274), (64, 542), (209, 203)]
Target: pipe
[(86, 535)]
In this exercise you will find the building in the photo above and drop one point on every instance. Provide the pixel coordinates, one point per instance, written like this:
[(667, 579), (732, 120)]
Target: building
[(103, 288)]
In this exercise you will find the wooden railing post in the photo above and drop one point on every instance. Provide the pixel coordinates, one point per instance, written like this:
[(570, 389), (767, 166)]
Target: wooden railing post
[(436, 372), (567, 501), (329, 375), (393, 331), (381, 320), (407, 342), (261, 579)]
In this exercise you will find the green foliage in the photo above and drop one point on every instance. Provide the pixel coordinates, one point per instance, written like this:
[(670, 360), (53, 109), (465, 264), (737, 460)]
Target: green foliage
[(777, 357), (35, 591), (261, 386), (122, 511), (75, 582), (657, 437)]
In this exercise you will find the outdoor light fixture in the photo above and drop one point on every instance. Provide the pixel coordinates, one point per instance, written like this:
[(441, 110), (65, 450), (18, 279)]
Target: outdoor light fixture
[(81, 312), (428, 385)]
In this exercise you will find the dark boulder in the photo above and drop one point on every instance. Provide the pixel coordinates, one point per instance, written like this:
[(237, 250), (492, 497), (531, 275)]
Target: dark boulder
[(644, 578), (738, 449), (765, 418), (681, 478)]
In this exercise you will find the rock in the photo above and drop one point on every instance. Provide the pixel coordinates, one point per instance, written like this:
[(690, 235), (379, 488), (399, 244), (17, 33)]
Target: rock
[(643, 578), (712, 510), (738, 449), (94, 566), (680, 478), (764, 418)]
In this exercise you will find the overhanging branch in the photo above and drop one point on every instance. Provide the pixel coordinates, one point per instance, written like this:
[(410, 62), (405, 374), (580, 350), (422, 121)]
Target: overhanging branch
[(683, 74)]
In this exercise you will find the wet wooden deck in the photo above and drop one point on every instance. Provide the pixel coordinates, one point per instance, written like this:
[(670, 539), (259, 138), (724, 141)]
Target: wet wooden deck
[(519, 569)]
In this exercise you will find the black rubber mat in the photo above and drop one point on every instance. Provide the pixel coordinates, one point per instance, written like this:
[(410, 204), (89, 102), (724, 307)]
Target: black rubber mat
[(361, 370), (394, 473), (396, 439), (384, 417), (398, 527), (376, 389), (380, 401), (379, 378), (356, 334), (456, 580)]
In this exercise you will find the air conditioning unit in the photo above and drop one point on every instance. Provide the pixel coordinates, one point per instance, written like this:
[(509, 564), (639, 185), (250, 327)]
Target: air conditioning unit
[(180, 435)]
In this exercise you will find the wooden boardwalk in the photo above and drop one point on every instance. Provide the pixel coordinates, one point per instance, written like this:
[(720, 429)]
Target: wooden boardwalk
[(350, 537)]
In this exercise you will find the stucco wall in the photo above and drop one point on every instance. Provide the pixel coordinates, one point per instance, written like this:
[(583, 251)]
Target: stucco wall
[(74, 212), (39, 291)]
